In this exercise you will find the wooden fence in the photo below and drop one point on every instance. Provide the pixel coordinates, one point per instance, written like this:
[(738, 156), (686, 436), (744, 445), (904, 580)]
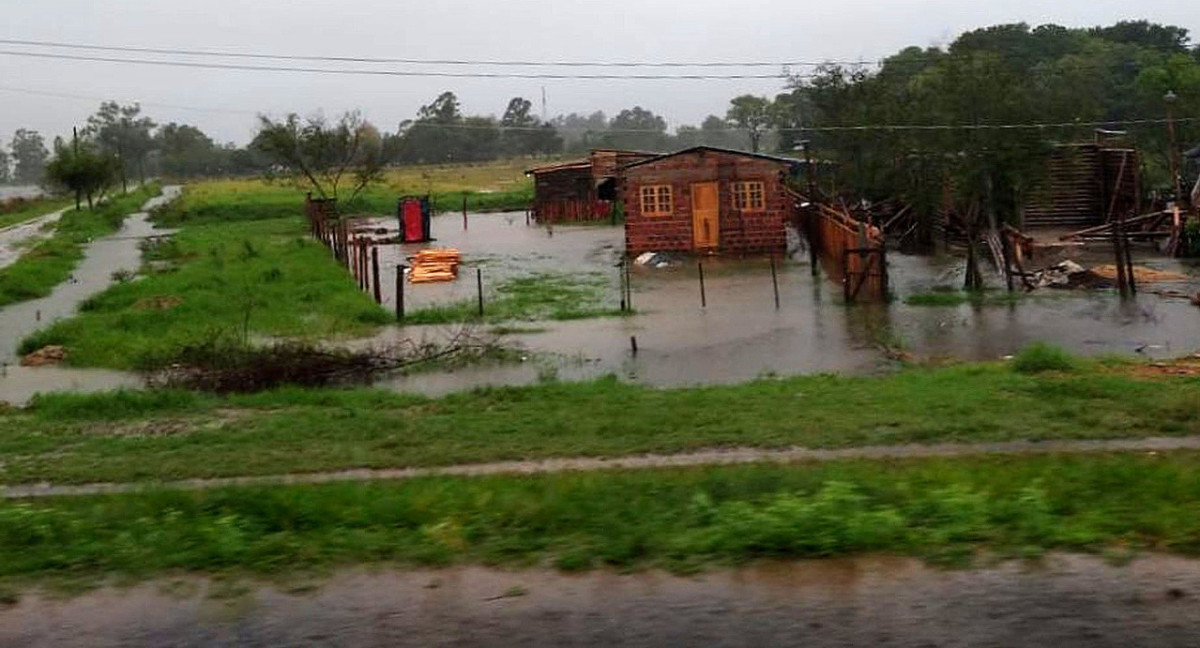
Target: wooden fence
[(852, 253)]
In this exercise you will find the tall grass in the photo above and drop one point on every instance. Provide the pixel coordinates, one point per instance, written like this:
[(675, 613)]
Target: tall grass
[(942, 509)]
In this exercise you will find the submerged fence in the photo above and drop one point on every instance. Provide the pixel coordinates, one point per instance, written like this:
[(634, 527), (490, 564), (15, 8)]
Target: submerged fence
[(851, 252)]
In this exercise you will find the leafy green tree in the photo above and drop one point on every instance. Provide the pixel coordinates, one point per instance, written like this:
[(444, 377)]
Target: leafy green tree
[(29, 156), (185, 151), (324, 157), (751, 114), (81, 168), (122, 131), (5, 167)]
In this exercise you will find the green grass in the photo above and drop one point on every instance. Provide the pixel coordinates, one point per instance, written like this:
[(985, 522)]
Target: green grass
[(51, 261), (261, 276), (123, 436), (31, 209), (681, 519), (541, 296), (497, 186), (1039, 357)]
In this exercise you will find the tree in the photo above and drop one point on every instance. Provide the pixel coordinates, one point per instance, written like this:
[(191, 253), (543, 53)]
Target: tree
[(752, 114), (636, 128), (5, 167), (324, 156), (185, 151), (81, 168), (121, 132), (29, 156), (524, 133)]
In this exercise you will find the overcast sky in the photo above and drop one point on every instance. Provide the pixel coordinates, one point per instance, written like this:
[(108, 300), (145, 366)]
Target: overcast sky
[(224, 102)]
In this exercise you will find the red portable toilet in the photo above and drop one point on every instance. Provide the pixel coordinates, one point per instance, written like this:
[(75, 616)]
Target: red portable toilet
[(414, 219)]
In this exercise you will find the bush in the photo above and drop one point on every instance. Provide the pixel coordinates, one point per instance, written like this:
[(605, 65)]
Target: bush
[(1039, 357)]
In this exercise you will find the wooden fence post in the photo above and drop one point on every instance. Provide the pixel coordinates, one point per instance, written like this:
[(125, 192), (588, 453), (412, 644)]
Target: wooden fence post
[(703, 297), (775, 282), (400, 292), (375, 273)]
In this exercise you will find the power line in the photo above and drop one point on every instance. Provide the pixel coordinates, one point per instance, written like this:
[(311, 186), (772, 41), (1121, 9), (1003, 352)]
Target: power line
[(395, 73), (937, 56), (70, 95)]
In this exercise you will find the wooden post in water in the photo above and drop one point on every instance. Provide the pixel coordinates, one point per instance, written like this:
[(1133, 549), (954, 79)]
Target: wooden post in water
[(621, 280), (628, 285), (479, 289), (400, 292), (775, 281), (703, 297), (464, 211), (375, 273)]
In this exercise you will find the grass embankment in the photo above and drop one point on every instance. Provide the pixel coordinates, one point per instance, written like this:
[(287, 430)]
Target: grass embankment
[(541, 296), (26, 210), (679, 519), (217, 281), (135, 436), (51, 261), (496, 186)]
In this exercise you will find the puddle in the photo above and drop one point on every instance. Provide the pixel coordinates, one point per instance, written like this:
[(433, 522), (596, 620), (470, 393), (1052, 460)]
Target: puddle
[(1063, 600), (102, 258)]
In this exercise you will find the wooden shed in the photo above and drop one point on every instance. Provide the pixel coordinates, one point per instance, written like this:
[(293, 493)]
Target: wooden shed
[(707, 199), (581, 190)]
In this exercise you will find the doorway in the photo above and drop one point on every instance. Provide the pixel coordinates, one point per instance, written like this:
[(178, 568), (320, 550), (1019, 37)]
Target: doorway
[(706, 216)]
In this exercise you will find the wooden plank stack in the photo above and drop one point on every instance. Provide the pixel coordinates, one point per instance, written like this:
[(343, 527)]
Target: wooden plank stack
[(434, 265)]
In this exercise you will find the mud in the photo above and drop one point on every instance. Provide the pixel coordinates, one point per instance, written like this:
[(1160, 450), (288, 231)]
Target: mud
[(1062, 601), (710, 457)]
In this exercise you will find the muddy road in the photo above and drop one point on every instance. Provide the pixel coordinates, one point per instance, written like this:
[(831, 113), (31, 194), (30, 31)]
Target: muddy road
[(1062, 601)]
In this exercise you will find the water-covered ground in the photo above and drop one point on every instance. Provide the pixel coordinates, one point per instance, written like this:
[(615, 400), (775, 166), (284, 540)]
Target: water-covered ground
[(1062, 601), (740, 335)]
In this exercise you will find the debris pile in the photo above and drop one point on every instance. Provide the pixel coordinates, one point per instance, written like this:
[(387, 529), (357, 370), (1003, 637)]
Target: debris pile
[(45, 357), (434, 265)]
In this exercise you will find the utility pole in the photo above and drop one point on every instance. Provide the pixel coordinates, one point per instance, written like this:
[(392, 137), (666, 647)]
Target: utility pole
[(1173, 153), (75, 146)]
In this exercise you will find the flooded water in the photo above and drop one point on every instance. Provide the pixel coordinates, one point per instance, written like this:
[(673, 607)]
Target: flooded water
[(102, 258), (16, 239), (740, 335), (20, 191), (1062, 601)]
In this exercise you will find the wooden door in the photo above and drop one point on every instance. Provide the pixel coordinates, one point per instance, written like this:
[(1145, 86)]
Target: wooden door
[(706, 216)]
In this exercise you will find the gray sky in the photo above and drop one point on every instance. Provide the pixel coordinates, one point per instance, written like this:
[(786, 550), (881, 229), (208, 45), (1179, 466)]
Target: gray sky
[(223, 103)]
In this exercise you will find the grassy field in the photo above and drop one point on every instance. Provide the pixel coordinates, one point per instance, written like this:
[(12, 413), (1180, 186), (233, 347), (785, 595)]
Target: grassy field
[(541, 296), (217, 281), (32, 209), (493, 186), (136, 436), (681, 519), (51, 261)]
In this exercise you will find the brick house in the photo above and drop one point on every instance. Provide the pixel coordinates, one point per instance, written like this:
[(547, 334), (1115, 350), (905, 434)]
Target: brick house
[(707, 199)]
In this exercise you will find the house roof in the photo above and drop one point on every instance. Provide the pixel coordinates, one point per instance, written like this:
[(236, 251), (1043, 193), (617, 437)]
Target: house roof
[(762, 156), (574, 165)]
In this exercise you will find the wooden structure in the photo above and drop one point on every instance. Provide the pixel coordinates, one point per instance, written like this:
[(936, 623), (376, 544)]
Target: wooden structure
[(851, 252), (707, 199), (434, 265), (582, 190), (1083, 184)]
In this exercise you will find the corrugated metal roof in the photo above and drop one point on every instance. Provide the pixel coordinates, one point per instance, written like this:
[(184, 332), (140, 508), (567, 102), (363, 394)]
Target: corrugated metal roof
[(562, 166)]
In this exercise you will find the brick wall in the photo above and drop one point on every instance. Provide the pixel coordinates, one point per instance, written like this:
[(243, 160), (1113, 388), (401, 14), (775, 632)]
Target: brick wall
[(758, 231)]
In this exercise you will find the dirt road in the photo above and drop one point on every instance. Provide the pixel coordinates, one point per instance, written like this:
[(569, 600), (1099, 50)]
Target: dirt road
[(716, 457), (1064, 601)]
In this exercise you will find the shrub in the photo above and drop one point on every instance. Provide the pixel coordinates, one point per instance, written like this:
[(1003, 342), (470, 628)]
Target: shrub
[(1039, 357)]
